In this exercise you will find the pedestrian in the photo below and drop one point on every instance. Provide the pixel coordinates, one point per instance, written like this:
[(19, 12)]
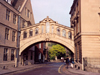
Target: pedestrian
[(62, 59), (72, 62), (67, 62)]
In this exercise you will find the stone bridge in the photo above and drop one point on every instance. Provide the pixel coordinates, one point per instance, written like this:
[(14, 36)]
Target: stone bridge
[(47, 30)]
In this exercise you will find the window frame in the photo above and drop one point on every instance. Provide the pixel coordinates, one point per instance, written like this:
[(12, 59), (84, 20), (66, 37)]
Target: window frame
[(70, 35), (5, 54), (6, 33), (58, 31), (7, 14), (13, 35), (23, 23), (31, 33), (14, 18), (36, 31), (24, 34), (28, 13), (12, 54), (64, 33)]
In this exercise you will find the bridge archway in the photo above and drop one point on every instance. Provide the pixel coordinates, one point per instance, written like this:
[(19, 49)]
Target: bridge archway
[(47, 30)]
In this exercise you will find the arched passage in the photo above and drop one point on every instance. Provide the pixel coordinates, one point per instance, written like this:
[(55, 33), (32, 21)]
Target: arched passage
[(47, 37)]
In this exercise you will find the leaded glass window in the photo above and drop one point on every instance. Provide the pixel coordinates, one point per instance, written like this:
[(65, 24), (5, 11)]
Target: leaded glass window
[(25, 34), (36, 31), (6, 33), (12, 54), (42, 29), (58, 31), (52, 29), (31, 33), (47, 27), (64, 33), (69, 35), (5, 54), (13, 36)]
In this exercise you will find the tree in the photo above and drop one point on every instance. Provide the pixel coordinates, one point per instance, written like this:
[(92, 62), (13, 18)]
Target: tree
[(57, 50)]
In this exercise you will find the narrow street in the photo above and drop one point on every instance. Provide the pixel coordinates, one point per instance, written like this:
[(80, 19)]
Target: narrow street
[(49, 69)]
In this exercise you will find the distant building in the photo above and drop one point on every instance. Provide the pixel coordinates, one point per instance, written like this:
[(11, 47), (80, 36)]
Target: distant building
[(85, 20), (33, 54)]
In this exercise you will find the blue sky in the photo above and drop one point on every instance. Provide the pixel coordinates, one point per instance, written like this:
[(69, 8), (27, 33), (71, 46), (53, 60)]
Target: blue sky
[(58, 10)]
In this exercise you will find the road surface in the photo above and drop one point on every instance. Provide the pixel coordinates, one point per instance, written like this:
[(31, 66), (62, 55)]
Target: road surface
[(49, 69)]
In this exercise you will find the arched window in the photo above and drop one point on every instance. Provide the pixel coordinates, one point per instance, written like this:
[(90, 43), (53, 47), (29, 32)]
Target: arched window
[(69, 35), (42, 29), (52, 29), (47, 27), (64, 33), (31, 33), (25, 34), (58, 31), (36, 31)]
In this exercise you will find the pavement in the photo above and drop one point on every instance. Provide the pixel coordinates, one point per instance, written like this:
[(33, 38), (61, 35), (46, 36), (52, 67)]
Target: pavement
[(30, 67), (20, 69), (79, 72)]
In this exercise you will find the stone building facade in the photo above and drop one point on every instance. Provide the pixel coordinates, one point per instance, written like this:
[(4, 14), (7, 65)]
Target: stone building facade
[(15, 15), (85, 20)]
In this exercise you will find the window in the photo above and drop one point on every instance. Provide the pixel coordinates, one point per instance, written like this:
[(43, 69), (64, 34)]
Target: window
[(64, 33), (42, 29), (58, 31), (31, 33), (52, 29), (7, 14), (13, 36), (6, 33), (36, 31), (39, 45), (14, 18), (69, 35), (12, 54), (28, 12), (47, 27), (23, 23), (5, 54), (25, 34)]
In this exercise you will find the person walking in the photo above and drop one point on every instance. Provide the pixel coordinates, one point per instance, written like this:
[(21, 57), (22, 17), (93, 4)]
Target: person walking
[(67, 62), (62, 59), (72, 62)]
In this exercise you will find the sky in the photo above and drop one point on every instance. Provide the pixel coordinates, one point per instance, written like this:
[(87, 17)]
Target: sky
[(57, 10)]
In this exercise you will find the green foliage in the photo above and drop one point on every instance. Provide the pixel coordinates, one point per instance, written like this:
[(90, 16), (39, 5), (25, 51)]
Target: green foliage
[(56, 50), (52, 58), (51, 44)]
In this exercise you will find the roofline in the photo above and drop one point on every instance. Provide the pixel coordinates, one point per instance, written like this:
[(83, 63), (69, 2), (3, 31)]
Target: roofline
[(23, 5), (74, 2)]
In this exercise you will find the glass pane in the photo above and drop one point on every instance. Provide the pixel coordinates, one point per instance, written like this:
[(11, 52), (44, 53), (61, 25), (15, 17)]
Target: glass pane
[(42, 29), (47, 27), (52, 29)]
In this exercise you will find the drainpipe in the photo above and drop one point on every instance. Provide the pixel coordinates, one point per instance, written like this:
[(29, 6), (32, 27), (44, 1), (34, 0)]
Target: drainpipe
[(18, 44)]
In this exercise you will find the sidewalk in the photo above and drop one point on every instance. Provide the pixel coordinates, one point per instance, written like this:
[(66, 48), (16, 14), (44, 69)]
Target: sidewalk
[(75, 71), (20, 69)]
